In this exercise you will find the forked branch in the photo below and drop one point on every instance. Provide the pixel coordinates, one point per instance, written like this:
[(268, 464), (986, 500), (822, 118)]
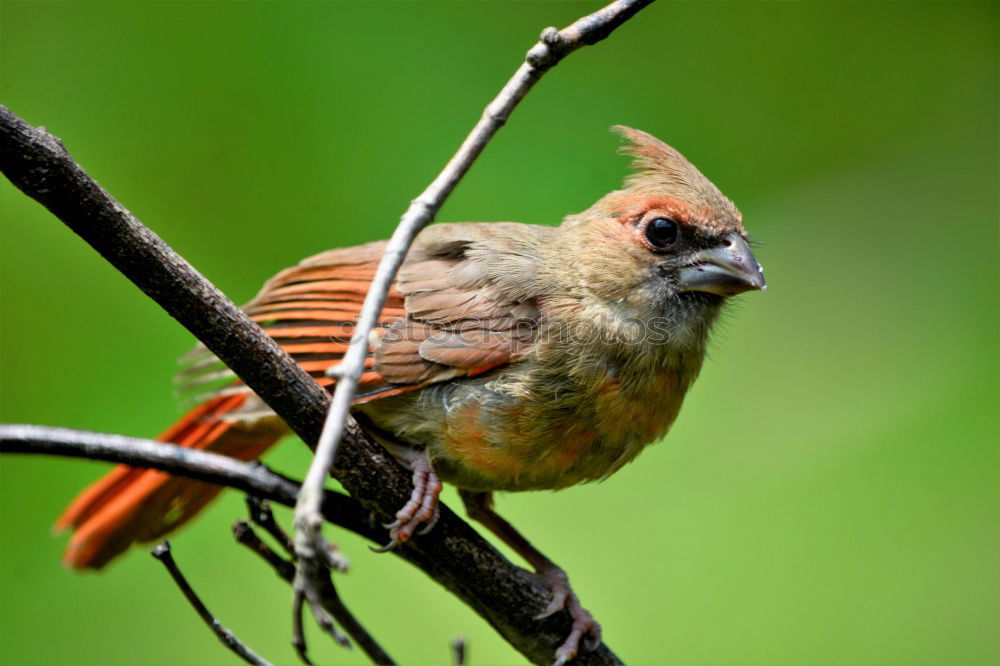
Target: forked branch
[(453, 553), (507, 596), (553, 46), (331, 606)]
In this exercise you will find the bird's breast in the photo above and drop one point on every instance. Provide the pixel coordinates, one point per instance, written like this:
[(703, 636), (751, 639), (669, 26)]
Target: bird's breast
[(541, 430)]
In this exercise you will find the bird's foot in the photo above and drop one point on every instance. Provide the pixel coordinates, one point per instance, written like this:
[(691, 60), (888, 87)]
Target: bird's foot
[(423, 507), (585, 628)]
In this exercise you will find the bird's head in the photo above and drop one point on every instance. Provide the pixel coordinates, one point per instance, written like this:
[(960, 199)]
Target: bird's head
[(668, 241)]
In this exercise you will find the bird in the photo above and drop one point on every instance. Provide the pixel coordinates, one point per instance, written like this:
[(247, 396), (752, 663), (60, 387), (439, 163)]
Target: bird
[(508, 357)]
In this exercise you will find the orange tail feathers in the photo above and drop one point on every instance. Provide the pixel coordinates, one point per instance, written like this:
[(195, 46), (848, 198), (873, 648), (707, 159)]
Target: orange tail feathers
[(131, 505)]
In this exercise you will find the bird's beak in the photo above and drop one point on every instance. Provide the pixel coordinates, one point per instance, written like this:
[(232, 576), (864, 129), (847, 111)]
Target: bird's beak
[(726, 270)]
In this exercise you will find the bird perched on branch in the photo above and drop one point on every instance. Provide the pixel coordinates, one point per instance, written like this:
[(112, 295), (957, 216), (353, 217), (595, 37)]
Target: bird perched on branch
[(508, 357)]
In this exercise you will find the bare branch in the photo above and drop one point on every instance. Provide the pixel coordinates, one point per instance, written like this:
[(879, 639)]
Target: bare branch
[(553, 47), (192, 463), (261, 514), (453, 554), (332, 604), (38, 164), (298, 633), (226, 637), (244, 534)]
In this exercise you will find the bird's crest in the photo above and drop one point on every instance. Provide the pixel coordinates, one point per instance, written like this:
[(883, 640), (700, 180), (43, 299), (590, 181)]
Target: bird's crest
[(661, 170)]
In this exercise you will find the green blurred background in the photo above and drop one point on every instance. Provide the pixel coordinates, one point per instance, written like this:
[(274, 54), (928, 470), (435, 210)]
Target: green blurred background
[(829, 494)]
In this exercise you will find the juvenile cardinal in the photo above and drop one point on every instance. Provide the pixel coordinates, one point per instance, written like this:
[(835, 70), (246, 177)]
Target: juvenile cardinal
[(509, 357)]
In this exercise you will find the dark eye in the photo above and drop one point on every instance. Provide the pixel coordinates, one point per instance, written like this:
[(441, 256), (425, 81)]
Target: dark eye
[(661, 232)]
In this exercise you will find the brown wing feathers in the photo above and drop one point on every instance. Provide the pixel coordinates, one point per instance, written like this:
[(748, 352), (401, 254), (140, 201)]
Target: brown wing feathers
[(467, 302), (466, 306), (310, 310), (461, 305)]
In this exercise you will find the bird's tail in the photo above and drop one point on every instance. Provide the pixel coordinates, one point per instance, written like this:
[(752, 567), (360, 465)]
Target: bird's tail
[(131, 505), (309, 309)]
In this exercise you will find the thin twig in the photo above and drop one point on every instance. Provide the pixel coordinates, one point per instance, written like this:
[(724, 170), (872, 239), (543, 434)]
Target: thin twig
[(326, 624), (162, 552), (261, 514), (553, 47), (253, 478), (330, 602), (245, 535), (298, 633), (136, 452), (318, 608)]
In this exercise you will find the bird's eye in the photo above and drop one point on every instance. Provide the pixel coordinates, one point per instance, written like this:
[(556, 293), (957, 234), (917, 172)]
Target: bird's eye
[(661, 233)]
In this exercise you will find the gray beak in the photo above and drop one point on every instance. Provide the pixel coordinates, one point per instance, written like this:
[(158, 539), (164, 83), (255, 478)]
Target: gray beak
[(726, 270)]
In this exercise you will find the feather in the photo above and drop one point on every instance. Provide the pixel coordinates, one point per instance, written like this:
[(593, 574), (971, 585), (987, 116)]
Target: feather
[(662, 171)]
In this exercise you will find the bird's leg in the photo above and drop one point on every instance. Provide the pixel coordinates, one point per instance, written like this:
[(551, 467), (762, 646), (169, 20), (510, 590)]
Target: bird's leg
[(423, 505), (479, 506)]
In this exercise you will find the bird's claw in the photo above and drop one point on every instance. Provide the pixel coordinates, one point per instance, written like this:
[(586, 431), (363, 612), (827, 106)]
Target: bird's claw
[(432, 522), (384, 549), (422, 508), (557, 582), (585, 628)]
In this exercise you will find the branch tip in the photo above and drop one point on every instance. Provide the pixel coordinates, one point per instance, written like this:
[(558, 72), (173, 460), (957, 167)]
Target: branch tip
[(162, 552)]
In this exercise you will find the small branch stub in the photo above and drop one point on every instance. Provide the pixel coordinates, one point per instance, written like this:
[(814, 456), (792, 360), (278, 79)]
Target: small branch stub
[(459, 650), (546, 52)]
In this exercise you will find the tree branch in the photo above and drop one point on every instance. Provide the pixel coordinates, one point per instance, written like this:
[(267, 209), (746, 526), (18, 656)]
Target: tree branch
[(252, 478), (506, 596), (162, 552), (453, 553), (331, 603), (39, 165), (553, 47)]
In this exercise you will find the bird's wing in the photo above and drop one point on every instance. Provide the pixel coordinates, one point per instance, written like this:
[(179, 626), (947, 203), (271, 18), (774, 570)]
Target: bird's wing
[(463, 303), (471, 303), (452, 312)]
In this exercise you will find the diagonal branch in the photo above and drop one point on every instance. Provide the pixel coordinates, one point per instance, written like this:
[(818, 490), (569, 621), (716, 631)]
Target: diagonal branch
[(453, 553), (38, 164), (225, 636), (553, 47)]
